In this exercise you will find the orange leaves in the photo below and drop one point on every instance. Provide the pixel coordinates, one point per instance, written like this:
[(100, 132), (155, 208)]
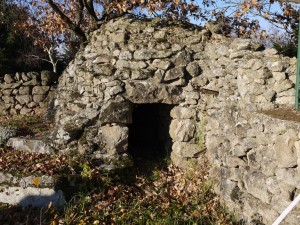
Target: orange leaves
[(245, 7), (266, 15), (254, 2), (250, 4), (36, 181), (289, 11)]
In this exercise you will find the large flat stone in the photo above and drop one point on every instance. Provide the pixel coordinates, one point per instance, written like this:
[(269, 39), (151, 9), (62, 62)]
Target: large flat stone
[(38, 146), (36, 197)]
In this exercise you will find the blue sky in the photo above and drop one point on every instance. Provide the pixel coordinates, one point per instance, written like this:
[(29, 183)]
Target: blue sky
[(265, 25)]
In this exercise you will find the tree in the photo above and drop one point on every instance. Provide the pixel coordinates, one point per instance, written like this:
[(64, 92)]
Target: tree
[(54, 22), (11, 44)]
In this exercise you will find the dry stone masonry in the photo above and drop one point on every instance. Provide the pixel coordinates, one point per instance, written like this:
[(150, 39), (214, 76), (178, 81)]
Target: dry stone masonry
[(26, 93), (216, 89)]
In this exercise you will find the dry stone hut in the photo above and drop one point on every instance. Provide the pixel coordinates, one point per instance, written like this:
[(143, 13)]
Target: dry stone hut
[(154, 86)]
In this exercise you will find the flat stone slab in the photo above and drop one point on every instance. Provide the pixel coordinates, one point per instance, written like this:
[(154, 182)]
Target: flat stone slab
[(30, 145), (36, 197), (37, 191), (26, 181)]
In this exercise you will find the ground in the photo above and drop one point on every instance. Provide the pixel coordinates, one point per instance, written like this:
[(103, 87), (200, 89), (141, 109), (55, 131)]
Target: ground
[(287, 113), (149, 192)]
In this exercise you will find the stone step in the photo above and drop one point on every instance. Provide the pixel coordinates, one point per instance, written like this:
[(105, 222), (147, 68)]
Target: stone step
[(30, 145), (36, 197), (37, 191)]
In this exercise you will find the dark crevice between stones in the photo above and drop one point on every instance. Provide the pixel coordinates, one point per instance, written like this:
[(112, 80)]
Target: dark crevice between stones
[(149, 137)]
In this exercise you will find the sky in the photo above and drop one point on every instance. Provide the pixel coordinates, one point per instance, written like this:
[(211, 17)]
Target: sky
[(265, 25)]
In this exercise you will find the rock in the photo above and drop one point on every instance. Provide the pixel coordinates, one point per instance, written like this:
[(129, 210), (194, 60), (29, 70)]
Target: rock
[(240, 44), (116, 112), (71, 130), (32, 82), (193, 69), (283, 86), (25, 90), (103, 69), (8, 78), (10, 86), (179, 112), (270, 51), (8, 100), (277, 66), (161, 64), (115, 90), (270, 95), (102, 59), (214, 27), (131, 65), (6, 133), (25, 111), (48, 78), (182, 59), (199, 81), (255, 183), (7, 92), (24, 99), (38, 98), (25, 77), (118, 37), (115, 138), (37, 146), (175, 73), (142, 54), (141, 74), (40, 90), (186, 163), (125, 55), (161, 54), (31, 196), (182, 130), (185, 150), (284, 149), (279, 76), (160, 34), (253, 64)]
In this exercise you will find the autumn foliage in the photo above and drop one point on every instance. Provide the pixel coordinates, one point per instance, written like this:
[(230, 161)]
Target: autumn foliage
[(53, 23), (52, 20)]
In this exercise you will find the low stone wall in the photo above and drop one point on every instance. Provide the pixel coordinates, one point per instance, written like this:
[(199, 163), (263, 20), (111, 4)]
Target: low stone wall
[(26, 93), (255, 162)]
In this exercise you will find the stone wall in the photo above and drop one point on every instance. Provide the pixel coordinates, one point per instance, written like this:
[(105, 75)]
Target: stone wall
[(221, 90), (26, 93)]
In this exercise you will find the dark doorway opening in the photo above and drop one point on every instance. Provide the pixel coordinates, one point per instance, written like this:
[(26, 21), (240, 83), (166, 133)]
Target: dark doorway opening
[(149, 136)]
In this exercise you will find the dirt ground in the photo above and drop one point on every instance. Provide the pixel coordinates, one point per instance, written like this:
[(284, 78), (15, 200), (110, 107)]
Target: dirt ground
[(285, 113)]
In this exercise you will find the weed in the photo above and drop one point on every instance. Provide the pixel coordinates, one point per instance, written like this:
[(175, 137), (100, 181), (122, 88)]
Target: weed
[(86, 171), (200, 134)]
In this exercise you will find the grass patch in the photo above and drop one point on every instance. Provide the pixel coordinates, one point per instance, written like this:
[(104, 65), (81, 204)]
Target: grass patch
[(27, 125), (164, 194)]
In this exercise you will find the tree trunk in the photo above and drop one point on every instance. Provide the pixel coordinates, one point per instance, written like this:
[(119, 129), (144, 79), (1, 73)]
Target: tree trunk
[(52, 58)]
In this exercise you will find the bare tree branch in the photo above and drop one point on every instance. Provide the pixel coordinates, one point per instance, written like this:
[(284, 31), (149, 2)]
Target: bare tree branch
[(75, 28)]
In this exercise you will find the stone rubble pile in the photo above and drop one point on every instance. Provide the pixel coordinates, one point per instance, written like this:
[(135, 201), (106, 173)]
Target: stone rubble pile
[(26, 93)]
